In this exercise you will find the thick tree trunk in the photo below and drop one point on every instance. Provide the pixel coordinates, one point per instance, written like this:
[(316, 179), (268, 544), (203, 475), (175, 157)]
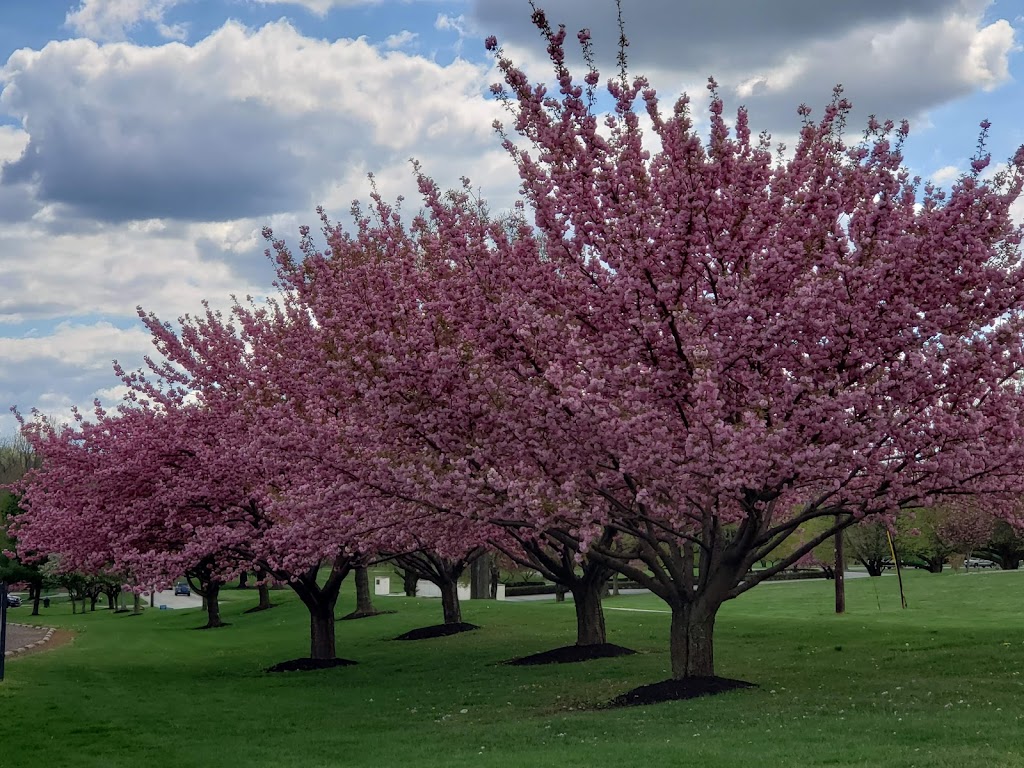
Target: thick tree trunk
[(265, 603), (321, 633), (35, 600), (213, 619), (495, 578), (364, 599), (692, 641), (590, 628), (480, 578), (243, 580), (111, 600), (409, 580), (450, 602), (320, 602), (136, 604), (92, 602)]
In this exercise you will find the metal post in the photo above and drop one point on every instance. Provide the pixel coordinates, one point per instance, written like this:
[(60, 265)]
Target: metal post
[(3, 626), (899, 572)]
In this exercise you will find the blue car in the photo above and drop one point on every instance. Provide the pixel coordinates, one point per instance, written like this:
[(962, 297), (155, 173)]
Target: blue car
[(182, 589)]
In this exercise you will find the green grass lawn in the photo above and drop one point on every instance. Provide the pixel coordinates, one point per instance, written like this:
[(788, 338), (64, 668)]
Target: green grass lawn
[(938, 684)]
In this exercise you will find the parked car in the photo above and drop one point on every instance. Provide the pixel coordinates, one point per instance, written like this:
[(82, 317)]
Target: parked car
[(182, 589), (979, 562), (13, 601)]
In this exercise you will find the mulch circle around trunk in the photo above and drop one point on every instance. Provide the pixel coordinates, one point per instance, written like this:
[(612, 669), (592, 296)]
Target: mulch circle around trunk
[(675, 690), (438, 630), (363, 615), (572, 653), (308, 665), (213, 626)]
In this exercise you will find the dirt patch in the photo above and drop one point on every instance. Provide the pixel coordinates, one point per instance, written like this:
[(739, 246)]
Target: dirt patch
[(308, 665), (438, 630), (57, 639), (675, 690), (570, 654)]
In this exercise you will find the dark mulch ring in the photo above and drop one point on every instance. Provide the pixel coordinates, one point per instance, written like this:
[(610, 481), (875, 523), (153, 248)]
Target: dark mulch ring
[(674, 690), (438, 630), (308, 665), (363, 615), (213, 626), (573, 653)]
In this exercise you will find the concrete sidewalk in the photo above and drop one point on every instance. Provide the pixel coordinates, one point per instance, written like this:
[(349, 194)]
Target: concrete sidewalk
[(173, 601)]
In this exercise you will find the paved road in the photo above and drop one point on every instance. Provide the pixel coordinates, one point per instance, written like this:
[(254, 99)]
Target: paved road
[(568, 595), (172, 601)]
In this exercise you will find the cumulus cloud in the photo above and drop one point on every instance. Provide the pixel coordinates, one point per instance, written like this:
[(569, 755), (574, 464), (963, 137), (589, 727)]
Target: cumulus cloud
[(16, 201), (945, 174), (76, 345), (108, 271), (68, 366), (242, 124), (896, 58), (400, 39), (114, 19)]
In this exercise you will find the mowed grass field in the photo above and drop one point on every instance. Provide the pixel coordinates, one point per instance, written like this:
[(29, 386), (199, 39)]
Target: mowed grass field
[(938, 684)]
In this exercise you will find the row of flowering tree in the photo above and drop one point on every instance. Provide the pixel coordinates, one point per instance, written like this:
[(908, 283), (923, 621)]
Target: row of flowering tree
[(678, 353)]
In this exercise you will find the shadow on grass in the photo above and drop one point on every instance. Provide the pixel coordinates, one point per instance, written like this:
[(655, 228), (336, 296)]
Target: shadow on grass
[(571, 654)]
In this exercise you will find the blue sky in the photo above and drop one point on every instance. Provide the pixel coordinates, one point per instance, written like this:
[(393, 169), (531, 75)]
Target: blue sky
[(144, 143)]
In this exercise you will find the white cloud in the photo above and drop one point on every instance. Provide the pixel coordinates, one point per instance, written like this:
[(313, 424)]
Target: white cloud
[(76, 344), (400, 39), (895, 58), (177, 32), (320, 7), (114, 19), (945, 174), (12, 142), (1017, 211), (447, 23), (242, 124), (69, 366), (111, 270)]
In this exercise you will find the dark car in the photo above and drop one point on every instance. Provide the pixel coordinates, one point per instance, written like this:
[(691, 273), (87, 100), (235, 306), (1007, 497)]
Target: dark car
[(13, 601), (182, 589), (979, 562)]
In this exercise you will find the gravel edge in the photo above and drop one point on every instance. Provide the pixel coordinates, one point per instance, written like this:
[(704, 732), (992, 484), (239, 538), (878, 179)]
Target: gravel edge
[(30, 646)]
